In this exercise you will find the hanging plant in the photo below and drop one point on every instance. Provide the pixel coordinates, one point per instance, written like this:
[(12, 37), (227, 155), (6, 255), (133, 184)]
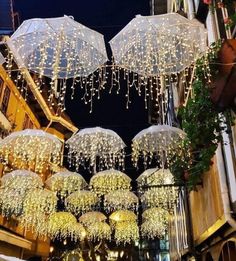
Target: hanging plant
[(202, 122)]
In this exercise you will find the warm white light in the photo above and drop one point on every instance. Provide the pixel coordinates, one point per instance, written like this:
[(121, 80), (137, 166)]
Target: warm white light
[(98, 147)]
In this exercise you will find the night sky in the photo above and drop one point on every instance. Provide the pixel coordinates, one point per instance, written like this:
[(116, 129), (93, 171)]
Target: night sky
[(107, 17)]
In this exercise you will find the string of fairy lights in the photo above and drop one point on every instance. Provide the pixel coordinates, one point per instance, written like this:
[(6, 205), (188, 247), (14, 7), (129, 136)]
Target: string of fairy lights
[(35, 203), (152, 54)]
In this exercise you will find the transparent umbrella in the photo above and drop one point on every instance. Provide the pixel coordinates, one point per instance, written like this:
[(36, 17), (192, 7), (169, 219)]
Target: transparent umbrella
[(59, 48), (159, 45), (97, 146), (158, 144)]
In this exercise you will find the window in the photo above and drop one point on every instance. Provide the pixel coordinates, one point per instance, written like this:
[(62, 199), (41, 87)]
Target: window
[(5, 100), (27, 124)]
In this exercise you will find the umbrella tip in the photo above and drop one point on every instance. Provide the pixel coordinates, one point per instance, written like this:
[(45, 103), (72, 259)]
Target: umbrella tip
[(138, 15)]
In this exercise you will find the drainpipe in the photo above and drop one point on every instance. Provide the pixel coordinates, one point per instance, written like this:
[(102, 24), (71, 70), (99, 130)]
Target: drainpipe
[(222, 170)]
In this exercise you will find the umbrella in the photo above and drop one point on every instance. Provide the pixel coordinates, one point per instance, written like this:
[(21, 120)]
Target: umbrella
[(97, 146), (109, 180), (59, 48), (66, 182), (159, 45), (31, 149), (158, 143)]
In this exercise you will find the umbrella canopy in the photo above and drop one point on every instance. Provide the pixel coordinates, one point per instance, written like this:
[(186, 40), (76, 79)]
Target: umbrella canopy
[(58, 47), (31, 149), (98, 146), (159, 45), (159, 143), (92, 217), (66, 182), (155, 176), (21, 180), (109, 180)]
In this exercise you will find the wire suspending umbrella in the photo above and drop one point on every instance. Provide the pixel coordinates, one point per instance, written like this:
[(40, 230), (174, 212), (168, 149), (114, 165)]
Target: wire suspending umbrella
[(98, 147), (59, 48)]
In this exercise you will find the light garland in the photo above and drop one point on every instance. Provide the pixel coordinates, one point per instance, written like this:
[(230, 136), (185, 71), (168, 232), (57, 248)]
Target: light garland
[(153, 229), (98, 231), (165, 197), (11, 202), (60, 48), (81, 201), (62, 225), (21, 180), (37, 224), (97, 147), (153, 50), (92, 217), (109, 180), (120, 199), (40, 201), (155, 222), (156, 214), (31, 149), (158, 144), (126, 232), (65, 183)]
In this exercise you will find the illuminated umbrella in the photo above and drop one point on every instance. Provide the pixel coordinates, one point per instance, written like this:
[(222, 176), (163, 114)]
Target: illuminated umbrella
[(21, 180), (98, 231), (65, 182), (153, 229), (126, 232), (159, 45), (31, 149), (81, 201), (122, 216), (120, 200), (155, 176), (96, 146), (158, 143), (63, 224), (109, 180), (59, 48), (92, 217)]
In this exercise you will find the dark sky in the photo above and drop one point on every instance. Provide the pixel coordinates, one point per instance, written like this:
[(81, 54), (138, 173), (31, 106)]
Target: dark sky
[(107, 17)]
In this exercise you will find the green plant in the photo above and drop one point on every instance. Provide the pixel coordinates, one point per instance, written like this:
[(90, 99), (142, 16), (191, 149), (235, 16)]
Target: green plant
[(202, 123)]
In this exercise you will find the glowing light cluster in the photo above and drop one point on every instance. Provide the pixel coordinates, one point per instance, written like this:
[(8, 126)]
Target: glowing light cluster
[(59, 48), (11, 202), (159, 143), (96, 147), (81, 201), (31, 149), (151, 48), (126, 232), (63, 224), (120, 199), (21, 180), (98, 231), (155, 223), (65, 182), (92, 217), (109, 180)]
